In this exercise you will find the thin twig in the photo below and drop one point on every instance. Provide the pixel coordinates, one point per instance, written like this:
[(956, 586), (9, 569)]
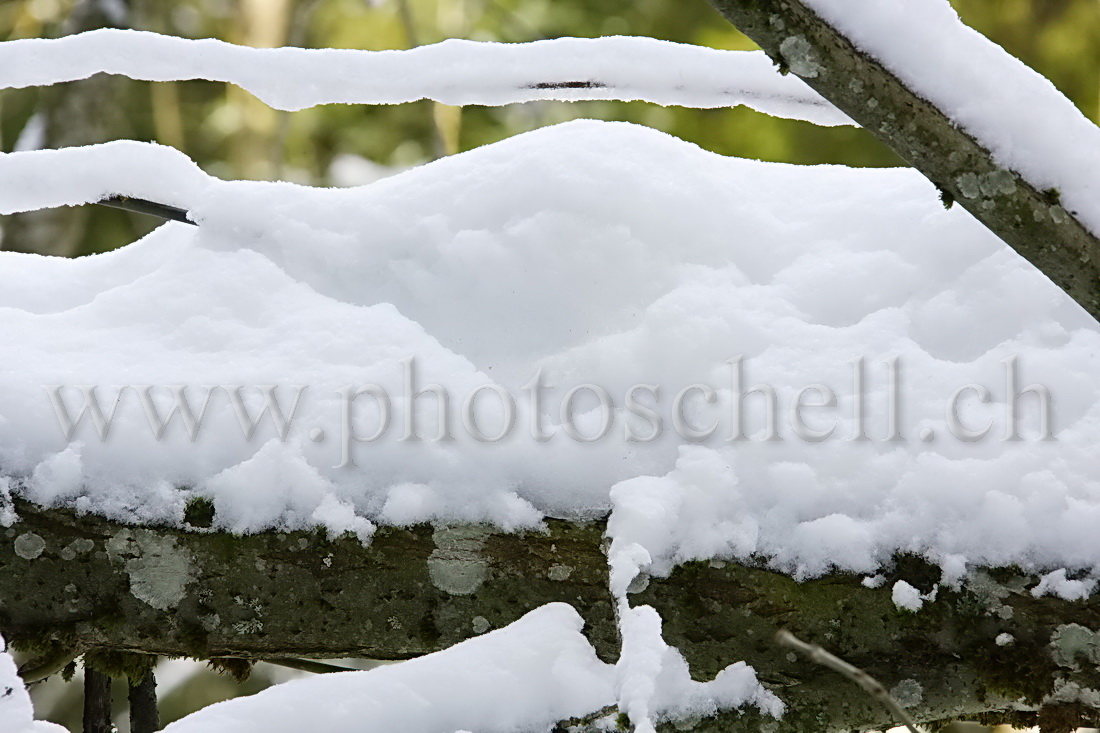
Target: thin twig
[(97, 702), (144, 206), (144, 717), (308, 665), (869, 684)]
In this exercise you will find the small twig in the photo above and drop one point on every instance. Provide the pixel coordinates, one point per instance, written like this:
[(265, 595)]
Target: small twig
[(143, 206), (144, 717), (869, 684), (97, 702), (567, 85), (308, 665)]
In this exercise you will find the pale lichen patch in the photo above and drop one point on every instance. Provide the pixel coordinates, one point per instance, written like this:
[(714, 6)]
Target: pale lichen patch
[(800, 56), (969, 185), (1072, 642), (158, 567), (76, 547), (1067, 693), (559, 572), (457, 565), (29, 545), (998, 182), (908, 693)]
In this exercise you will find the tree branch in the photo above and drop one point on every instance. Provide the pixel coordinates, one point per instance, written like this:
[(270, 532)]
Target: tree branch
[(91, 584), (868, 683), (97, 702), (144, 717), (1029, 220)]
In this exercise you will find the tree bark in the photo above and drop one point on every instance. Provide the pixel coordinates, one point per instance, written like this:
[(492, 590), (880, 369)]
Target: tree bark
[(97, 702), (83, 583), (144, 717), (1029, 220)]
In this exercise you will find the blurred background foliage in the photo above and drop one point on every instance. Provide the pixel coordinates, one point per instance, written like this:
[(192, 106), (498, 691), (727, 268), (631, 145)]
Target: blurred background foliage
[(232, 135)]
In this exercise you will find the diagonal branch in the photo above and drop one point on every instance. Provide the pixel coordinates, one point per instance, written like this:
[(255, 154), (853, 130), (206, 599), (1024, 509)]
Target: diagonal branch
[(868, 683), (1029, 219)]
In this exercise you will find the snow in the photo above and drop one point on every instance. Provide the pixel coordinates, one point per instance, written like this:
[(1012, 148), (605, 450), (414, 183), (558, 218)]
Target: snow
[(16, 713), (519, 289), (455, 72), (562, 253), (527, 676), (653, 682), (906, 597), (1055, 583), (1016, 113)]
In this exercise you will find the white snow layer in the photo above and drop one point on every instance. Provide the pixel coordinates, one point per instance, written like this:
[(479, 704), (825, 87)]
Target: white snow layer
[(600, 253), (1030, 126), (16, 712), (527, 676), (454, 72)]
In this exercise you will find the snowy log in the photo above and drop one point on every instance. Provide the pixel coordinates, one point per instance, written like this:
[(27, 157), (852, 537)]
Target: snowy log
[(1040, 223), (79, 583)]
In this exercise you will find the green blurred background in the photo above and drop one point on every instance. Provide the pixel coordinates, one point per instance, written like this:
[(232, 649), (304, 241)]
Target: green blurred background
[(232, 135)]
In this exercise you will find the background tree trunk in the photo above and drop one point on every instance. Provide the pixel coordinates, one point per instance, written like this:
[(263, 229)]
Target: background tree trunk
[(76, 113)]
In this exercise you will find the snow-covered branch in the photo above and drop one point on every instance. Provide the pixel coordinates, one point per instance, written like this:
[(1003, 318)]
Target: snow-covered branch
[(454, 72), (96, 584), (991, 133)]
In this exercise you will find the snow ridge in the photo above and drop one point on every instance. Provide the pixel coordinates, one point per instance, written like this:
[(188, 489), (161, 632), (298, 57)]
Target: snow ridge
[(456, 72)]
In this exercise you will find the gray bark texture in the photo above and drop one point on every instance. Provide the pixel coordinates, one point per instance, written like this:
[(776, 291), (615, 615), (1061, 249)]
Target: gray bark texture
[(82, 584), (1031, 221)]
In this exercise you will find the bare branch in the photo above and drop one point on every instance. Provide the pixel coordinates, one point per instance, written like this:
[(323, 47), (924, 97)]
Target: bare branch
[(869, 684)]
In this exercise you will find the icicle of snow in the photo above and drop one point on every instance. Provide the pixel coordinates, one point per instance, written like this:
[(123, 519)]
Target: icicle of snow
[(456, 72)]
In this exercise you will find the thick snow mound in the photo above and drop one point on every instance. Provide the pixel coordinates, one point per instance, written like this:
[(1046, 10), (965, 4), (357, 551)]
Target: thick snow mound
[(526, 676), (602, 254)]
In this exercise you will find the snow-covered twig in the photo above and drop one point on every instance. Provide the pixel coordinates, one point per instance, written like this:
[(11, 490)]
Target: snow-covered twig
[(455, 72), (989, 132)]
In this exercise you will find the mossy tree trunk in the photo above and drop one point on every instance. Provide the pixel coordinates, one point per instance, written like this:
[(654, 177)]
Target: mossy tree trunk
[(84, 584)]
